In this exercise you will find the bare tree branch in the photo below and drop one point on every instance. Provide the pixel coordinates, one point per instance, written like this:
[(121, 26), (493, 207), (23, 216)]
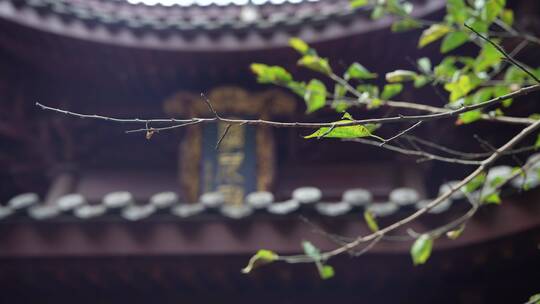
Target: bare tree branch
[(394, 119)]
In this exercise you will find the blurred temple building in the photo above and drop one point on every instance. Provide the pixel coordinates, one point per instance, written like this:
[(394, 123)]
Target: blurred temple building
[(91, 214)]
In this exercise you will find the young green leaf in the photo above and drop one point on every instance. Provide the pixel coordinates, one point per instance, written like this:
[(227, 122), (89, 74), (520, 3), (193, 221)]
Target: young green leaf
[(491, 9), (400, 76), (534, 299), (537, 142), (492, 198), (298, 88), (405, 24), (459, 88), (358, 71), (424, 65), (271, 74), (469, 117), (299, 45), (315, 95), (421, 249), (370, 89), (475, 183), (489, 57), (325, 271), (348, 116), (315, 63), (481, 95), (497, 181), (433, 33), (457, 11), (369, 217), (339, 91), (454, 234), (262, 256), (391, 90), (378, 12), (453, 40), (507, 16), (311, 251), (420, 81), (341, 132), (359, 3)]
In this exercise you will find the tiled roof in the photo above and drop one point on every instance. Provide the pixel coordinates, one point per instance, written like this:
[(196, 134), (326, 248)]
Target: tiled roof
[(160, 18), (122, 204), (171, 27)]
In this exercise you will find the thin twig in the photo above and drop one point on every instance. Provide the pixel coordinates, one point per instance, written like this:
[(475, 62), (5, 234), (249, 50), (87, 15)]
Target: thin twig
[(419, 153), (223, 136), (210, 107), (327, 131), (466, 155), (401, 133), (502, 51)]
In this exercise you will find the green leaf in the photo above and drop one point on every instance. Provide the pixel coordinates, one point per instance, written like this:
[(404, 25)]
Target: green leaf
[(420, 81), (315, 95), (369, 217), (457, 11), (493, 198), (271, 74), (359, 3), (370, 89), (459, 88), (475, 183), (424, 65), (535, 116), (500, 91), (398, 7), (340, 106), (405, 25), (400, 76), (497, 182), (421, 249), (507, 16), (262, 256), (480, 26), (489, 57), (355, 131), (391, 90), (347, 116), (433, 33), (358, 71), (311, 251), (454, 234), (446, 68), (375, 103), (492, 9), (537, 142), (325, 271), (297, 87), (482, 95), (535, 299), (315, 63), (339, 91), (378, 12), (514, 74), (299, 45), (470, 117), (453, 40)]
